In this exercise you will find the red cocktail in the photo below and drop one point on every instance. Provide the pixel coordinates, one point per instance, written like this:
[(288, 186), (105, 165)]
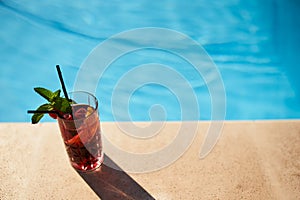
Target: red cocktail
[(81, 132), (78, 121)]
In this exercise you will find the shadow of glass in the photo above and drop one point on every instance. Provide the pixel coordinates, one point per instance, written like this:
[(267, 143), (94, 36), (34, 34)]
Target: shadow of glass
[(110, 183)]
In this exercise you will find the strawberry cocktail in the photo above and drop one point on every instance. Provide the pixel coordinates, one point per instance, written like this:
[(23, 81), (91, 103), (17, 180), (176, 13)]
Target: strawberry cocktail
[(78, 120), (82, 134)]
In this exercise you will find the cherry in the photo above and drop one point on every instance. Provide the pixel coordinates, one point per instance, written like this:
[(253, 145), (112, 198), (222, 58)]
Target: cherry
[(53, 115)]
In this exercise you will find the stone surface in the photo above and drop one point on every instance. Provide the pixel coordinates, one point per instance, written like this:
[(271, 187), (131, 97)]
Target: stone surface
[(252, 160)]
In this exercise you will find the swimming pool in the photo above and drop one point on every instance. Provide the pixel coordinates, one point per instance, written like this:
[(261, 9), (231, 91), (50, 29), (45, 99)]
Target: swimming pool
[(254, 44)]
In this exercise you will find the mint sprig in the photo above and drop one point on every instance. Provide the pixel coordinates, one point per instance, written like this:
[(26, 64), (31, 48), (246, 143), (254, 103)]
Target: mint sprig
[(55, 103)]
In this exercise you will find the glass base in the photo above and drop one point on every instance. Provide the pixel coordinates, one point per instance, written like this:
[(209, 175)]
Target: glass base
[(89, 165)]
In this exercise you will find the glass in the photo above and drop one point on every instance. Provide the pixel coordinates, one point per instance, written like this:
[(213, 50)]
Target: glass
[(82, 134)]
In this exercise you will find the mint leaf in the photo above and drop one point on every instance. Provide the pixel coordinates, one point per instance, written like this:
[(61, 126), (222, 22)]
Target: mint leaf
[(47, 94), (66, 106), (55, 95), (63, 105), (45, 107), (38, 116), (59, 105)]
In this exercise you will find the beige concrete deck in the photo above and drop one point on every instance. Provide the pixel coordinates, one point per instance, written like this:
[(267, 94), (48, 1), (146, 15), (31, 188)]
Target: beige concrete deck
[(252, 160)]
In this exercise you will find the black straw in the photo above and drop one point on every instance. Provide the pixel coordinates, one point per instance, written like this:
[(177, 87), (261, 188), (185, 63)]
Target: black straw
[(44, 112), (62, 82)]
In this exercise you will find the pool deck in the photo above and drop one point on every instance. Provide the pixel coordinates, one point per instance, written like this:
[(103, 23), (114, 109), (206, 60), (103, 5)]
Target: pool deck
[(252, 160)]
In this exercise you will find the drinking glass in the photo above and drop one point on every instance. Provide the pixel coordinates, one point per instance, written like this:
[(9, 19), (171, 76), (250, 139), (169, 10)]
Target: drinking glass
[(81, 133)]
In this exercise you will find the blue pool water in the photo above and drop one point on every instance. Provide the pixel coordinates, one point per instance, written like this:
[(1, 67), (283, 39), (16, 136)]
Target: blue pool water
[(254, 44)]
